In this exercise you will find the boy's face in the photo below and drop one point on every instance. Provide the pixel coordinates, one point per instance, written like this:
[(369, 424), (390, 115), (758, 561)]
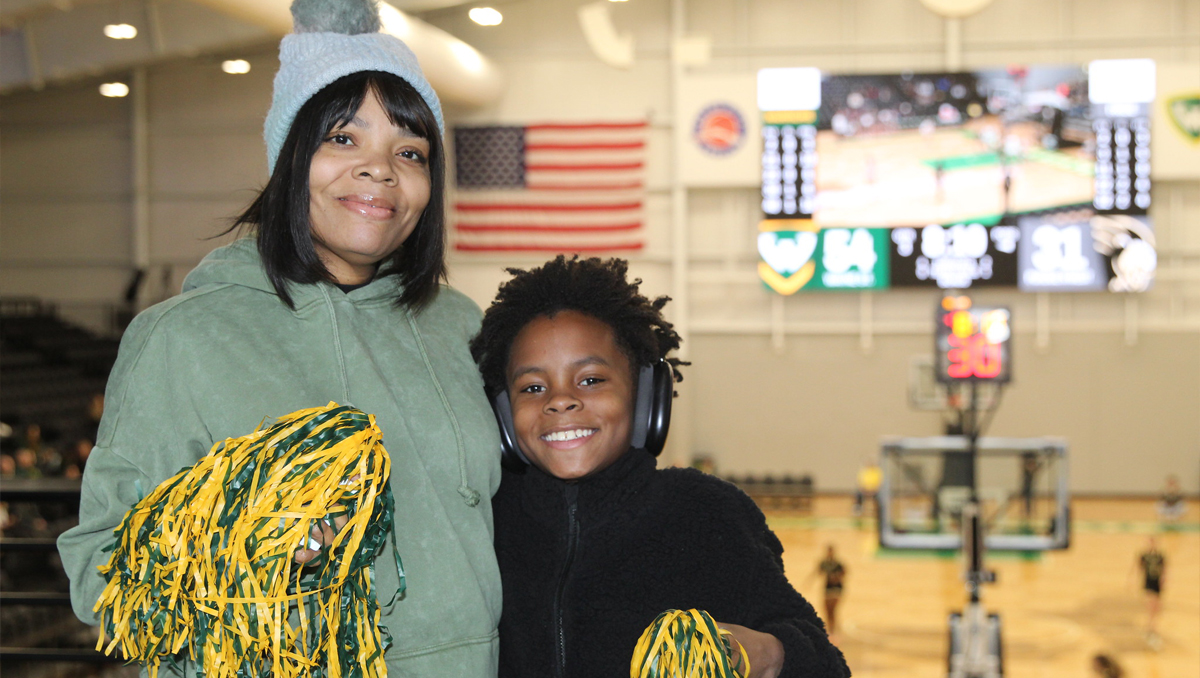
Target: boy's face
[(572, 394)]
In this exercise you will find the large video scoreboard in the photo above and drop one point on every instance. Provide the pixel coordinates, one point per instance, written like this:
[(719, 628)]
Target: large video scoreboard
[(1035, 177)]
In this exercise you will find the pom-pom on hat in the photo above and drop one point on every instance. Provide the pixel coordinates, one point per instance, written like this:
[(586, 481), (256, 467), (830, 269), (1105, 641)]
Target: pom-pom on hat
[(332, 39)]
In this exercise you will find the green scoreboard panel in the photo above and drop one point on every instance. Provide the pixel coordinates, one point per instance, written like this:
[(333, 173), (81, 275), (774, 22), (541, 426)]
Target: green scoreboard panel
[(825, 259)]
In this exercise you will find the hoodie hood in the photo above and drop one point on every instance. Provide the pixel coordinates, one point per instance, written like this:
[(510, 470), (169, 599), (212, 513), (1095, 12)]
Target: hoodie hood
[(239, 263)]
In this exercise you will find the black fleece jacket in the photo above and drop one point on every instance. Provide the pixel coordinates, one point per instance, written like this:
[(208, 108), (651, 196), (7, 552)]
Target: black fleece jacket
[(588, 565)]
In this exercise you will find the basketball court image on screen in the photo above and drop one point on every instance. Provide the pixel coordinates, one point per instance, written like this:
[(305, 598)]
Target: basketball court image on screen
[(924, 148)]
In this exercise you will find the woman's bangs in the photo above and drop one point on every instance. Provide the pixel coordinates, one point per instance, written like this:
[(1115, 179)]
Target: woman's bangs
[(404, 105)]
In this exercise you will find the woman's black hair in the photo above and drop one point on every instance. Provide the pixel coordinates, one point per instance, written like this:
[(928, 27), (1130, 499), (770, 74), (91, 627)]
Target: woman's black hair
[(590, 286), (280, 214)]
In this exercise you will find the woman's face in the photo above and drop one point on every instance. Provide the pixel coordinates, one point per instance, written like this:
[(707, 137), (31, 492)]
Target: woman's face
[(368, 185)]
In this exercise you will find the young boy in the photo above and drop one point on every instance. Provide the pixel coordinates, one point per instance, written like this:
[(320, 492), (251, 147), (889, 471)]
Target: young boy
[(593, 542)]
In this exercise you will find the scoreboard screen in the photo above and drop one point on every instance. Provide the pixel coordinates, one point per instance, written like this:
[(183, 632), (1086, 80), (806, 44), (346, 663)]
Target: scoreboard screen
[(1032, 177), (972, 342)]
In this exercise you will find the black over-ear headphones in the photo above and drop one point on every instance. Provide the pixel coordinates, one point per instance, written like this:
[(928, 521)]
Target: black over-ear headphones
[(651, 415)]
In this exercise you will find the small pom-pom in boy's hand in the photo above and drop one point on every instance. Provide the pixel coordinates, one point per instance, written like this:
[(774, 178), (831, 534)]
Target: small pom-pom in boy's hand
[(687, 644)]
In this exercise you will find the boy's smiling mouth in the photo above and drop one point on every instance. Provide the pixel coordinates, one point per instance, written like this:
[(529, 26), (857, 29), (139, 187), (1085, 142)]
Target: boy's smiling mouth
[(570, 434)]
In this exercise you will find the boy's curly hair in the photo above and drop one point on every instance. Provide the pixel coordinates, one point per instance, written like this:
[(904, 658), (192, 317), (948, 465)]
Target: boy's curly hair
[(590, 286)]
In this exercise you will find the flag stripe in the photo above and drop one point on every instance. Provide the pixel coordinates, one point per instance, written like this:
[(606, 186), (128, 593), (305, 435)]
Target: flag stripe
[(543, 229), (468, 207), (542, 242), (585, 219), (584, 168), (583, 187), (532, 247), (528, 197), (583, 156), (586, 126), (632, 145)]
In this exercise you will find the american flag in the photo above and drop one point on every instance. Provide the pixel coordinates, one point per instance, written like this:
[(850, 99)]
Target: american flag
[(554, 187)]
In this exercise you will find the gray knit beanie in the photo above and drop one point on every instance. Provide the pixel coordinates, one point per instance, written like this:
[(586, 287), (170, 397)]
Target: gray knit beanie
[(332, 39)]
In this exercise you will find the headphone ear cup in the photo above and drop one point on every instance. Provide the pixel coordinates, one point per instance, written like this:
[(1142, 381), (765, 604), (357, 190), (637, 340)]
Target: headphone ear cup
[(511, 455), (643, 406), (652, 411)]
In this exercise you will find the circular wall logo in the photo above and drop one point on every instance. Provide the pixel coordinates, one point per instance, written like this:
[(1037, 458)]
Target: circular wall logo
[(719, 129)]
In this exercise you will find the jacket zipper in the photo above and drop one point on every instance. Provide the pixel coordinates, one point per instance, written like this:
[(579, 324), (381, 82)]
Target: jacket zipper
[(572, 542)]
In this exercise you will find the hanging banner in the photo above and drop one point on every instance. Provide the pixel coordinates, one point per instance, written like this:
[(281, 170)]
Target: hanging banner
[(719, 131)]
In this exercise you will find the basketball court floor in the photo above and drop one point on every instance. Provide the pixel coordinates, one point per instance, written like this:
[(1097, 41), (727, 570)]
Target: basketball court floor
[(1058, 608)]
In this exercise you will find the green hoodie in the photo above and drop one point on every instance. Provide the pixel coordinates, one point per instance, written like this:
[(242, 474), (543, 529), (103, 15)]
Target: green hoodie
[(213, 362)]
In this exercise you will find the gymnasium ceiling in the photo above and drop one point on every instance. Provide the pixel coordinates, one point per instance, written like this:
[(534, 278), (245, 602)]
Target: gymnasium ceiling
[(43, 42)]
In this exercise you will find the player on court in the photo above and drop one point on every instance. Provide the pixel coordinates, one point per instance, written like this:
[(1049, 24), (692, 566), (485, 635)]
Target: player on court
[(835, 577), (1153, 566)]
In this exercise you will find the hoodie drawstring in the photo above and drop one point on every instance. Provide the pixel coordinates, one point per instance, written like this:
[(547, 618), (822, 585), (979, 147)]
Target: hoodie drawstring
[(337, 344), (469, 494)]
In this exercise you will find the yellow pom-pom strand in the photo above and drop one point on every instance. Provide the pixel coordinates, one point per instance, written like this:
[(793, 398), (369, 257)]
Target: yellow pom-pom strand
[(686, 644), (204, 565)]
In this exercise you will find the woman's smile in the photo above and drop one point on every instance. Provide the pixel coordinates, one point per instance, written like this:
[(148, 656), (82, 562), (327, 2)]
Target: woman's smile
[(369, 206)]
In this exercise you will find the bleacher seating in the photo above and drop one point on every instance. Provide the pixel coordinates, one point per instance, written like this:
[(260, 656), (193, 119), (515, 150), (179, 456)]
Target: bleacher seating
[(50, 371), (770, 492), (49, 368)]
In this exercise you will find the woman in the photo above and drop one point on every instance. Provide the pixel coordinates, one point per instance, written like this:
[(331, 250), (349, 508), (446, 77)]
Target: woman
[(335, 298)]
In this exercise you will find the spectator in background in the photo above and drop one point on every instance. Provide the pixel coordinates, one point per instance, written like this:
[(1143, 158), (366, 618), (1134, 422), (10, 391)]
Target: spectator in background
[(8, 465), (1171, 505), (49, 459), (1029, 470), (95, 410), (76, 461), (1104, 666), (46, 460), (870, 477), (32, 438), (6, 519), (26, 461)]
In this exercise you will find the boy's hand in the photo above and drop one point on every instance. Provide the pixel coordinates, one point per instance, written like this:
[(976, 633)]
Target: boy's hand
[(763, 650)]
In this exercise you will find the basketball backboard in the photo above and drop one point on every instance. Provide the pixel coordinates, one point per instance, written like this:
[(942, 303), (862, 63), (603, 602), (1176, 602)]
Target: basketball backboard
[(1021, 484)]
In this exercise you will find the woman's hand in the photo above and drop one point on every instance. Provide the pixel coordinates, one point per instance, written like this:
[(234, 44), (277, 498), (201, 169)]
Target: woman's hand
[(323, 534), (763, 650)]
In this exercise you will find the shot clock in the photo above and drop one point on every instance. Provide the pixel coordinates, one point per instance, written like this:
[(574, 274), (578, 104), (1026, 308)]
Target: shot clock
[(972, 342)]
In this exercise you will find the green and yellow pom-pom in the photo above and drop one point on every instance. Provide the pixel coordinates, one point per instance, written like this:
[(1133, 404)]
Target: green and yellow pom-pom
[(686, 644), (205, 563)]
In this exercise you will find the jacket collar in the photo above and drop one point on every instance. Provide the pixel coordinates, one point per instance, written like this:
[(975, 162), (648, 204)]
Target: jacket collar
[(598, 497)]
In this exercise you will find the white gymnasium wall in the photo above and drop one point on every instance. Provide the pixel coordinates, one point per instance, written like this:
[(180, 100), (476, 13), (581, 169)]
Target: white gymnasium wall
[(1118, 377)]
